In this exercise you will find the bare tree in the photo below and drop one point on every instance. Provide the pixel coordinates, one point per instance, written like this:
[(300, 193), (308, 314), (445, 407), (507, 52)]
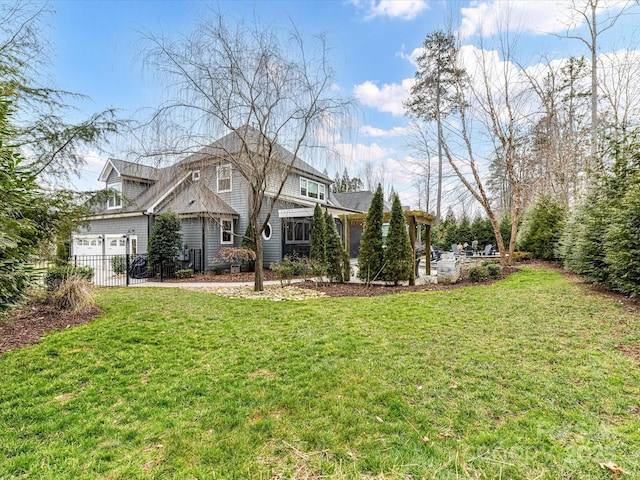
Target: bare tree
[(588, 11), (560, 132), (491, 108), (271, 93)]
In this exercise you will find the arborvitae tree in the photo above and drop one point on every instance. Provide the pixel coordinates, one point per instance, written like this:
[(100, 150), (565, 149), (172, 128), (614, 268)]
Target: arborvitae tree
[(371, 253), (464, 230), (505, 229), (482, 232), (318, 238), (622, 242), (398, 254), (541, 228), (165, 241), (444, 234), (334, 250)]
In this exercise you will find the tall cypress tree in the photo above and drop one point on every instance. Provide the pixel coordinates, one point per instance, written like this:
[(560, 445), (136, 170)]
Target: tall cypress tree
[(318, 238), (371, 254), (398, 254), (334, 250)]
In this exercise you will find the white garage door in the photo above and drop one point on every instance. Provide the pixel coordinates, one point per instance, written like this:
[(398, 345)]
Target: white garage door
[(87, 245), (115, 245)]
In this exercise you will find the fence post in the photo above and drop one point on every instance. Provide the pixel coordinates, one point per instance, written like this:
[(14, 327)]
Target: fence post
[(161, 269), (126, 263)]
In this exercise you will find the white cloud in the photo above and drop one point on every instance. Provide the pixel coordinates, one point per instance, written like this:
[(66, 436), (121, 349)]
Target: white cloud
[(402, 9), (389, 98), (358, 152), (539, 17), (370, 131)]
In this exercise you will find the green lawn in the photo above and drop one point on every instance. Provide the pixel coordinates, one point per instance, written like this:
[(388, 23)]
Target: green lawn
[(524, 378)]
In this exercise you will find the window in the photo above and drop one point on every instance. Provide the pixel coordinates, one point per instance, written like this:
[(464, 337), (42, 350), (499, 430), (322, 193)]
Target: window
[(266, 233), (226, 231), (195, 175), (115, 195), (311, 189), (224, 178), (298, 231)]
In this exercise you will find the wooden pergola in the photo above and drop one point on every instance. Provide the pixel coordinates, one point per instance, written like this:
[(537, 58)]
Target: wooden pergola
[(414, 218)]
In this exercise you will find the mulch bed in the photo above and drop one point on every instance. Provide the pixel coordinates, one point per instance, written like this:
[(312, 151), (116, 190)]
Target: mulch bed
[(26, 325)]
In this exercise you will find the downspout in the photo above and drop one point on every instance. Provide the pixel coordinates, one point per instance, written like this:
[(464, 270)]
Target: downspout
[(204, 257)]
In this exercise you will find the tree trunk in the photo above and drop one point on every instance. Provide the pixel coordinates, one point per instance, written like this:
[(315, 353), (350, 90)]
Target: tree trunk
[(258, 284)]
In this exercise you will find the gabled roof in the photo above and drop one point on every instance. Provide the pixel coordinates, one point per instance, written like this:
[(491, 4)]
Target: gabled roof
[(127, 169), (232, 144), (358, 201), (195, 198)]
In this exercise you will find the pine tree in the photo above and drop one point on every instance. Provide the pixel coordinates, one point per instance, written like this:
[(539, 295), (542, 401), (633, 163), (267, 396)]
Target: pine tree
[(334, 250), (398, 254), (371, 254)]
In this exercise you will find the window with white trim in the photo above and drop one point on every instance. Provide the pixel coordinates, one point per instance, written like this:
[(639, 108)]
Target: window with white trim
[(195, 175), (224, 178), (266, 233), (115, 195), (226, 231), (311, 189), (298, 231)]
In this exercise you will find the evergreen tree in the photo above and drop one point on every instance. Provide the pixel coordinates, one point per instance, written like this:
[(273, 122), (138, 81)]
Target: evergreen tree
[(482, 231), (541, 228), (318, 253), (622, 242), (505, 230), (398, 254), (371, 253), (334, 250), (165, 241), (464, 230)]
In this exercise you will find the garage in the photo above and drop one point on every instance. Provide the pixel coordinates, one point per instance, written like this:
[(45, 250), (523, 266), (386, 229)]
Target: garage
[(83, 245)]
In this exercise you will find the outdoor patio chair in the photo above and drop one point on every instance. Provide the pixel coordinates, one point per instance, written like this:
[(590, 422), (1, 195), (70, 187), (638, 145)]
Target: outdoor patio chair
[(436, 254), (488, 250)]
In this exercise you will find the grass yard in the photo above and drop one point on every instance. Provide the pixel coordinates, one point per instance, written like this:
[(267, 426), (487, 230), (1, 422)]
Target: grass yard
[(525, 378)]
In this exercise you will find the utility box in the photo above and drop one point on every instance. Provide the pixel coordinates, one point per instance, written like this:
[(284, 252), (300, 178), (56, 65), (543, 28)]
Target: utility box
[(449, 268)]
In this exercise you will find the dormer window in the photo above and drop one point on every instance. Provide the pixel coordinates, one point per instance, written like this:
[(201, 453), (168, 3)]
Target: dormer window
[(224, 178), (114, 192), (311, 189)]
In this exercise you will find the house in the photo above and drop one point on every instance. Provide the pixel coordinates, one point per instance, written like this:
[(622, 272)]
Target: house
[(211, 198)]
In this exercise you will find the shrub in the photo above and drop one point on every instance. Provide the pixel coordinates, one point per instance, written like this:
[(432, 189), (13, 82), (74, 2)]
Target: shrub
[(493, 268), (479, 273), (56, 276), (74, 294), (118, 265), (234, 255), (217, 269), (283, 270), (165, 241), (522, 256), (185, 273)]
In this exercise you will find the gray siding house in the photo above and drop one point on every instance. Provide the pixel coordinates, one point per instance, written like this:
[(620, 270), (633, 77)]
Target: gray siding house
[(211, 199)]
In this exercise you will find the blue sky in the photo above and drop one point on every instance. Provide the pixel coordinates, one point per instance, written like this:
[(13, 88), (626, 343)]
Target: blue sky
[(97, 51)]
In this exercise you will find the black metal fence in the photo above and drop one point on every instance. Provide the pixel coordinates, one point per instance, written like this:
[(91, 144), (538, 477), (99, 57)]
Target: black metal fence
[(124, 270)]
